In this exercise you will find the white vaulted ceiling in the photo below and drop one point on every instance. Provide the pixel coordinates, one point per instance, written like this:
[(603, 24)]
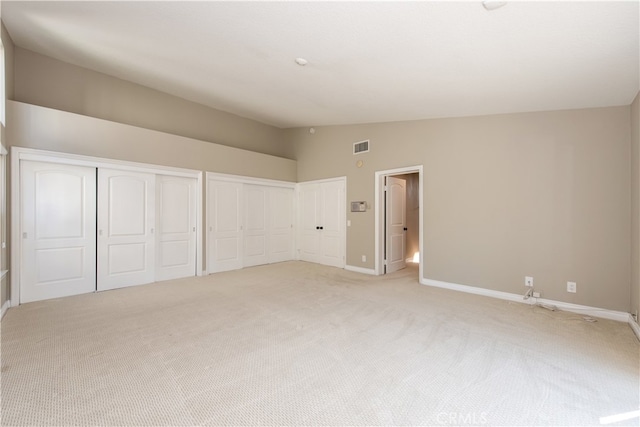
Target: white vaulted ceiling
[(367, 61)]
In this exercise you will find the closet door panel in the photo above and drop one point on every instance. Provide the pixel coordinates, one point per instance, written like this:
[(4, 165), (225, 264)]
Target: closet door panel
[(321, 213), (281, 211), (255, 225), (176, 227), (224, 216), (126, 233), (58, 211)]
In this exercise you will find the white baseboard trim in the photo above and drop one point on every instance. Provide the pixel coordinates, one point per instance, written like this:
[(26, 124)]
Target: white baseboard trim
[(4, 309), (473, 290), (602, 313), (362, 270), (634, 326)]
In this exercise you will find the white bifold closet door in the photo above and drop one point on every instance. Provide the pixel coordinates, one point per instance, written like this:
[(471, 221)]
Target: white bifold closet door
[(321, 209), (126, 228), (58, 248), (224, 210), (176, 230)]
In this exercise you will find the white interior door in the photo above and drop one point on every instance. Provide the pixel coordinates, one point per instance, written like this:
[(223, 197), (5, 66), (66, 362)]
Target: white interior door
[(395, 223), (126, 221), (255, 225), (176, 227), (224, 211), (309, 199), (280, 228), (332, 223), (58, 230)]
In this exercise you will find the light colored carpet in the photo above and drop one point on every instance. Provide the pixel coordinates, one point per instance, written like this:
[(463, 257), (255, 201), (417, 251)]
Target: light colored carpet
[(297, 343)]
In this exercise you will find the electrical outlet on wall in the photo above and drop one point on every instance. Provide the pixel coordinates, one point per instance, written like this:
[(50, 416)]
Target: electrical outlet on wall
[(572, 287), (364, 258), (528, 281)]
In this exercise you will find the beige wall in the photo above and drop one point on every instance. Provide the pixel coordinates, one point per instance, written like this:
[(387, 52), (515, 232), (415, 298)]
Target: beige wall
[(635, 206), (44, 81), (48, 129), (540, 194)]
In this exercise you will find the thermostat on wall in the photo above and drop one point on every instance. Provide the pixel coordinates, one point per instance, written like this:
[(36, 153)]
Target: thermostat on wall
[(358, 206)]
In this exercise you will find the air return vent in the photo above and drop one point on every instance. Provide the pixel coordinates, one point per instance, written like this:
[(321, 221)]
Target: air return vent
[(361, 147)]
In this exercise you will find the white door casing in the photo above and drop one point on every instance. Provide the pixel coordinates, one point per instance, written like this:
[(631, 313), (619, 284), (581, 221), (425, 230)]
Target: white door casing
[(58, 228), (395, 223), (126, 228), (256, 209), (224, 212), (280, 228), (176, 227)]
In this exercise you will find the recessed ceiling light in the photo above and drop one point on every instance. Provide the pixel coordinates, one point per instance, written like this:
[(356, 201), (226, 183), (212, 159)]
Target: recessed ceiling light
[(301, 62), (493, 4)]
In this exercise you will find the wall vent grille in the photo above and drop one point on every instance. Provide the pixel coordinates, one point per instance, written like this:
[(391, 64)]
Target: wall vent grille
[(361, 147)]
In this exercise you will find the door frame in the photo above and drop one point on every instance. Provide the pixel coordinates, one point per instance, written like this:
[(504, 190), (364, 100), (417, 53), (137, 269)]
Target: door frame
[(380, 211), (20, 153)]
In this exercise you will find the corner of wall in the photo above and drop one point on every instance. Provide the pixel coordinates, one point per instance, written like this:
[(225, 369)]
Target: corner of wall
[(635, 206)]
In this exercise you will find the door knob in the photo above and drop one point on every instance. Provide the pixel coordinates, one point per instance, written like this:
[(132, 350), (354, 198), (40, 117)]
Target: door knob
[(405, 229)]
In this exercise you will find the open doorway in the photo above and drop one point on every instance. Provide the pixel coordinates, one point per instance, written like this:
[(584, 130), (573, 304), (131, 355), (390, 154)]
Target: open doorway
[(398, 219)]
